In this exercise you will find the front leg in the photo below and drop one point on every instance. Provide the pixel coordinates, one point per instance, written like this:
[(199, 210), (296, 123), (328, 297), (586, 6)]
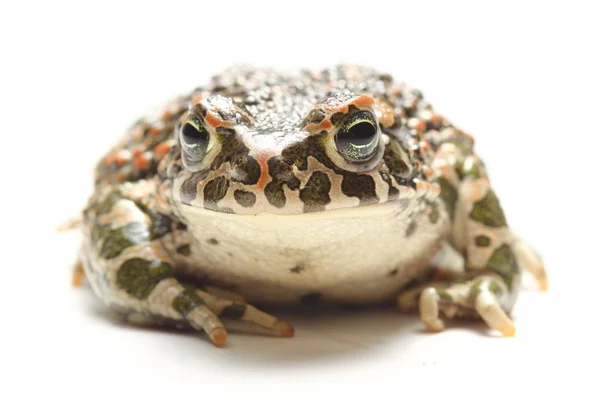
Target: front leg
[(493, 256), (128, 267)]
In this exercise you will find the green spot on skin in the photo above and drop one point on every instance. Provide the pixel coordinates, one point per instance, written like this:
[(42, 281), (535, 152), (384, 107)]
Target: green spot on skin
[(315, 195), (118, 240), (244, 198), (100, 232), (234, 311), (504, 263), (186, 301), (138, 277), (485, 283), (495, 288), (160, 226), (482, 241), (314, 117), (212, 241), (232, 150), (361, 186), (393, 192), (449, 195), (247, 171), (107, 203), (214, 191), (189, 188), (444, 296), (397, 162), (274, 194), (462, 142), (488, 211), (472, 170), (412, 227), (184, 250), (434, 216), (282, 173)]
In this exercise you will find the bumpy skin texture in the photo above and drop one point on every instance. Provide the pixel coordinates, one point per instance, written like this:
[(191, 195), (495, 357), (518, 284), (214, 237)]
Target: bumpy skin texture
[(275, 212)]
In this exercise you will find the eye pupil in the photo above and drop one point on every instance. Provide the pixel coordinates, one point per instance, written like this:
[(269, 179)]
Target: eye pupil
[(194, 140), (192, 135), (357, 140), (360, 134)]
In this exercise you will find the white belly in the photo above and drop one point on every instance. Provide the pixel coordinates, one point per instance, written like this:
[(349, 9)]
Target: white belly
[(353, 255)]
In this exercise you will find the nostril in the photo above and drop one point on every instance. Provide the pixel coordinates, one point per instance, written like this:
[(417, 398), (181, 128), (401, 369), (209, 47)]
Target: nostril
[(239, 162), (246, 170), (288, 161)]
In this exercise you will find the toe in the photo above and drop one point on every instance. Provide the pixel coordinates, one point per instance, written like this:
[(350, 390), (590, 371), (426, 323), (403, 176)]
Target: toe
[(218, 336)]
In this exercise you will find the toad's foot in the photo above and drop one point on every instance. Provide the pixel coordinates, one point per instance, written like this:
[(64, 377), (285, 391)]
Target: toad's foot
[(204, 312), (185, 304), (78, 275), (531, 262), (462, 299), (479, 296), (224, 308), (71, 223)]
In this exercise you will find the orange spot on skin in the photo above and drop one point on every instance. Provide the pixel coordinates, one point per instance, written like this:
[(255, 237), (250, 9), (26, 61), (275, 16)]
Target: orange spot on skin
[(162, 149), (109, 159), (121, 177), (153, 131), (363, 101), (385, 113), (137, 151), (137, 133), (417, 124), (264, 170), (141, 162), (429, 173), (122, 158), (465, 134), (437, 120), (325, 125), (196, 99), (359, 101), (212, 120)]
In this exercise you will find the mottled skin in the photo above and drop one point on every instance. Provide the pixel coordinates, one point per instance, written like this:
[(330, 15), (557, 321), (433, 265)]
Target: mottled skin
[(338, 185)]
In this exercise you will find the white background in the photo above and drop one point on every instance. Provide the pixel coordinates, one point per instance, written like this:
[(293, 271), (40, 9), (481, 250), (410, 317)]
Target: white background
[(522, 78)]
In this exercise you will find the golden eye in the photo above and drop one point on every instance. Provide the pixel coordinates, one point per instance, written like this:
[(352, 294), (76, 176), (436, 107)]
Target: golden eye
[(358, 137), (195, 139)]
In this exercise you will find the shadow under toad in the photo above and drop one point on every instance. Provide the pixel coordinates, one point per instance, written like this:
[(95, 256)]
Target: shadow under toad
[(322, 334)]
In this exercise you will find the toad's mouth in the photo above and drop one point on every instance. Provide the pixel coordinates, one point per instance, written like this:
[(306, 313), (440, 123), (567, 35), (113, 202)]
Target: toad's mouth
[(247, 201), (199, 216)]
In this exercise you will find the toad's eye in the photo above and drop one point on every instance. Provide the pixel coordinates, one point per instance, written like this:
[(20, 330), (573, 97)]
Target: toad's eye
[(358, 137), (195, 139)]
